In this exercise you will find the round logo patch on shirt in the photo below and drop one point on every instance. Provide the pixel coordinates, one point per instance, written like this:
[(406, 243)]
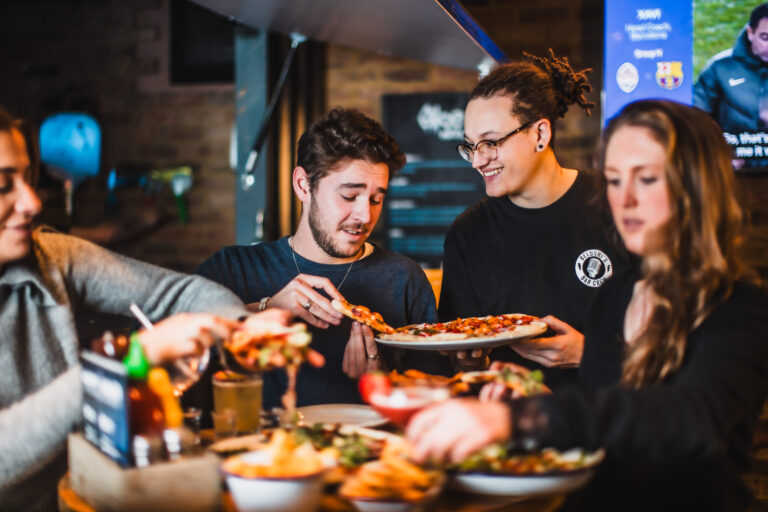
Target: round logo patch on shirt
[(593, 267)]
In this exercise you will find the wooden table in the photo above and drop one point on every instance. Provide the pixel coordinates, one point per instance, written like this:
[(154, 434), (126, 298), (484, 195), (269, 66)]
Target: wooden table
[(448, 501)]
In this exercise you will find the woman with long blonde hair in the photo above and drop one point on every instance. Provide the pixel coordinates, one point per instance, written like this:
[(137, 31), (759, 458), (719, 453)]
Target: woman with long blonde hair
[(675, 363)]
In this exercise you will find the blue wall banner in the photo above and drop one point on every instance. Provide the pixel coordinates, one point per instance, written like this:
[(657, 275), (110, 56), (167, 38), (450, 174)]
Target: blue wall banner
[(648, 52)]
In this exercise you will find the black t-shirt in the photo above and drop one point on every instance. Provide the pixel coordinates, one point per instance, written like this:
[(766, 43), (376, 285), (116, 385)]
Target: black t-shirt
[(501, 258), (384, 281), (677, 445)]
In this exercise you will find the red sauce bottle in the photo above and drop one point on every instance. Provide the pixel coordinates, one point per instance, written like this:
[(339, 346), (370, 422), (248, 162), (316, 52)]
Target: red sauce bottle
[(146, 410)]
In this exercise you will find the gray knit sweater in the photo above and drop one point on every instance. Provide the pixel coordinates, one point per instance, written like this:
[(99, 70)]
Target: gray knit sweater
[(40, 395)]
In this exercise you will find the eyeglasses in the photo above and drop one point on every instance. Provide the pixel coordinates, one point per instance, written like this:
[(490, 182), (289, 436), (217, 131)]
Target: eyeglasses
[(487, 148)]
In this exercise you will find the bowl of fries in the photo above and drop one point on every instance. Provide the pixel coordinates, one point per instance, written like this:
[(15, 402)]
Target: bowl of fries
[(279, 476), (393, 483)]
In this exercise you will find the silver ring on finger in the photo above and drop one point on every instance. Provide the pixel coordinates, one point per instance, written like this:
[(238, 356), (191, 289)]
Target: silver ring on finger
[(307, 305), (373, 357)]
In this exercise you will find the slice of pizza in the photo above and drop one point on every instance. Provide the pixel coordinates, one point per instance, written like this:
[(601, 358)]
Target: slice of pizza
[(363, 315)]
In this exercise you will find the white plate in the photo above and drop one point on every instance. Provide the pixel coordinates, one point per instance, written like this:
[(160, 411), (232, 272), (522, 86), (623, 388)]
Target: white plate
[(521, 485), (347, 414), (467, 344)]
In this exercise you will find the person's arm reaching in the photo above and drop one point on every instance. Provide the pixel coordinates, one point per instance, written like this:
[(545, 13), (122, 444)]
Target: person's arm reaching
[(109, 282)]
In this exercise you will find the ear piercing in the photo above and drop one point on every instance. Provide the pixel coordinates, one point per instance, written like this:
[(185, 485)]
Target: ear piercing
[(540, 147)]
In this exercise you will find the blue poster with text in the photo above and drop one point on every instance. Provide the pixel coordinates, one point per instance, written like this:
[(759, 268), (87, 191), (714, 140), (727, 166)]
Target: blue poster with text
[(648, 52)]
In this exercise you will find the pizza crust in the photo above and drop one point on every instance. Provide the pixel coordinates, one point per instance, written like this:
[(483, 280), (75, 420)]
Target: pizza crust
[(402, 336)]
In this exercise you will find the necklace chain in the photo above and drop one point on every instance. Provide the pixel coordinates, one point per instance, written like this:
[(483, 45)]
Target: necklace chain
[(298, 270)]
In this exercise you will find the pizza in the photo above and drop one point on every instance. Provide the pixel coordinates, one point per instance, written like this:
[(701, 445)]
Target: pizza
[(363, 315), (486, 327), (520, 381)]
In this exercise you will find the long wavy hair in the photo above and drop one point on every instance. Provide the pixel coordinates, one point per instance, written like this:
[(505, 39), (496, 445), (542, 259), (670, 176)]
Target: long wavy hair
[(694, 257)]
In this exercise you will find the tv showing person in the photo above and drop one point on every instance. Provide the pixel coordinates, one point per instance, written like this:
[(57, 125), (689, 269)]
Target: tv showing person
[(732, 89)]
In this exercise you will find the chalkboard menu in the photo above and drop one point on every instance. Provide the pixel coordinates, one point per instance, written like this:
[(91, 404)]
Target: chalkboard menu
[(435, 185)]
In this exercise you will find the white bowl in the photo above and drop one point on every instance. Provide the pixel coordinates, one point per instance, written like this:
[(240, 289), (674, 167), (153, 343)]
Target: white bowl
[(372, 505), (365, 504), (260, 494)]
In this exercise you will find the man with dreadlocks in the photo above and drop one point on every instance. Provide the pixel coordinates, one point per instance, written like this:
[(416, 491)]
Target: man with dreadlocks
[(537, 244)]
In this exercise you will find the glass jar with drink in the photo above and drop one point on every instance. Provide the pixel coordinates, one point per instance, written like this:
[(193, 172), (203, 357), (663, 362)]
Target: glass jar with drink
[(241, 394)]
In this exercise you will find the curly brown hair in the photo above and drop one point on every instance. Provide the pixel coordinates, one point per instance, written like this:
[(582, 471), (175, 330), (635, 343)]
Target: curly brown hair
[(695, 256), (345, 134), (542, 87)]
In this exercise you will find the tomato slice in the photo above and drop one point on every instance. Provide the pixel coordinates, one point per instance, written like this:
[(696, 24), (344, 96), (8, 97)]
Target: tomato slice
[(373, 382)]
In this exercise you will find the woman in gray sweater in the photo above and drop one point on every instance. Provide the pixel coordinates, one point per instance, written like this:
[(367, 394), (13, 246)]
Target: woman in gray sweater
[(45, 279)]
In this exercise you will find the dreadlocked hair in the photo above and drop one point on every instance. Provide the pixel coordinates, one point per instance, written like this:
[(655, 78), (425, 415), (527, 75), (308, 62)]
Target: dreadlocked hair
[(541, 87), (571, 85)]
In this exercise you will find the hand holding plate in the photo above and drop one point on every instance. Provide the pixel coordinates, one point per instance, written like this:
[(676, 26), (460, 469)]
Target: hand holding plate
[(563, 350)]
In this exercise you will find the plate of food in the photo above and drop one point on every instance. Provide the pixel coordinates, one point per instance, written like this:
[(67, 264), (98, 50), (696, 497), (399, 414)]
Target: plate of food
[(343, 448), (346, 414), (465, 333), (459, 334), (392, 483), (498, 472)]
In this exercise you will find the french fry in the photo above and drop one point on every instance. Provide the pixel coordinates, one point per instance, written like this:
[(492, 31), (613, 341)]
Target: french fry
[(393, 476), (287, 460)]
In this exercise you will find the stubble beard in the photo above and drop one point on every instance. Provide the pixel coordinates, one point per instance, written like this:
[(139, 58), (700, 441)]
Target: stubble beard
[(322, 238)]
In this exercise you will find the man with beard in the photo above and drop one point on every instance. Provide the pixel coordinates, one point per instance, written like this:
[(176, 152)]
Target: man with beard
[(344, 164)]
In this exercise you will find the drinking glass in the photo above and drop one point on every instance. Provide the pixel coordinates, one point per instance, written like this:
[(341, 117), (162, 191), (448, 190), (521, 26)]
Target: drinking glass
[(224, 423), (192, 420), (241, 393), (187, 370)]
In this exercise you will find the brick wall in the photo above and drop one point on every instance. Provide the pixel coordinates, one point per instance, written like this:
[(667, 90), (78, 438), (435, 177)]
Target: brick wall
[(359, 79), (106, 58)]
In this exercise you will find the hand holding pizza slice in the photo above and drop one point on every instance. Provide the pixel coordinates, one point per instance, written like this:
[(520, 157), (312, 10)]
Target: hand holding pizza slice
[(363, 315)]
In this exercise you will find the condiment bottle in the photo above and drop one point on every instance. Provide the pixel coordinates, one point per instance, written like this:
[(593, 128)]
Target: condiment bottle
[(160, 384), (146, 411)]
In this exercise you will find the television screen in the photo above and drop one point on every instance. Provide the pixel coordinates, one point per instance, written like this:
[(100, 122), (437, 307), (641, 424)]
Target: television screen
[(730, 63), (700, 52)]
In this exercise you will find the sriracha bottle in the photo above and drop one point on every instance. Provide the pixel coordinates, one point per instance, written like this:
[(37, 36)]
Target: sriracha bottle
[(146, 410)]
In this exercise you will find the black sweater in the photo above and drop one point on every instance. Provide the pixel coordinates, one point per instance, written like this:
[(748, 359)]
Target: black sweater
[(681, 443), (501, 258), (385, 281)]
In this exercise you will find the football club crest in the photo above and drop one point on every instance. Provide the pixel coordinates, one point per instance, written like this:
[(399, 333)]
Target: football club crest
[(593, 267), (669, 75), (627, 77)]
